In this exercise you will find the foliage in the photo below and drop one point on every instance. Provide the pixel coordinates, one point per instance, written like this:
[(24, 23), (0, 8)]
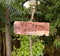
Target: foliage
[(50, 13), (24, 50), (57, 43), (47, 11)]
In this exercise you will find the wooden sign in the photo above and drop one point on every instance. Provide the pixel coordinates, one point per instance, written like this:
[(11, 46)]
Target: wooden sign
[(31, 28)]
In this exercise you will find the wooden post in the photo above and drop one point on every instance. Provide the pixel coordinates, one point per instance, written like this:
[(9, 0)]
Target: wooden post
[(30, 40), (33, 11)]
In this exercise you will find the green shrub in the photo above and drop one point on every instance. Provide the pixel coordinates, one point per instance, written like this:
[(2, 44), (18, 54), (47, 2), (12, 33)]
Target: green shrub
[(24, 50)]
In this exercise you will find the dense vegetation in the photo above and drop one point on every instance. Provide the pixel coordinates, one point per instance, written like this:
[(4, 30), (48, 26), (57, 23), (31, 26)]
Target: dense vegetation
[(47, 11)]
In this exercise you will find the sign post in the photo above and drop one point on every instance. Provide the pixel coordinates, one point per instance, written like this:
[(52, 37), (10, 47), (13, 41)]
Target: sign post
[(31, 28)]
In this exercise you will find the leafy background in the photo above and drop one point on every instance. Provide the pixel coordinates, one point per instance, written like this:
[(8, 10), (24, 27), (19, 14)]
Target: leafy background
[(47, 11)]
